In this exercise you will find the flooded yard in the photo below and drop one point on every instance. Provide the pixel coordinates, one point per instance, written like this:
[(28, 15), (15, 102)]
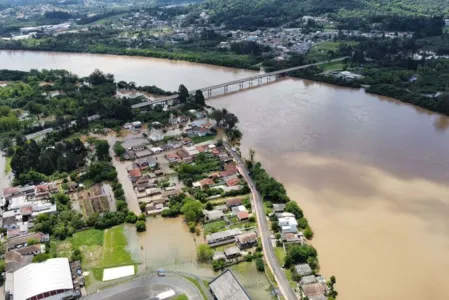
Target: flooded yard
[(255, 283)]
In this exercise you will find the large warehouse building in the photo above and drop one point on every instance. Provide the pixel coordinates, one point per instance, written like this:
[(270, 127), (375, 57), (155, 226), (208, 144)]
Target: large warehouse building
[(41, 280)]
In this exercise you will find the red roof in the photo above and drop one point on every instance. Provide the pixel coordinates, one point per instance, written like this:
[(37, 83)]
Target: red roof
[(234, 202), (230, 166), (228, 173), (10, 190), (243, 215), (42, 188), (203, 148), (172, 156), (206, 181), (26, 210), (135, 173), (233, 182)]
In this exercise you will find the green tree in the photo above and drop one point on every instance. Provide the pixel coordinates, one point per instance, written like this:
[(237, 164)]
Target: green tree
[(119, 149), (260, 265), (102, 150), (31, 242), (298, 254), (183, 93), (76, 255), (204, 253), (141, 226), (308, 233), (292, 207), (199, 98), (41, 257), (192, 210)]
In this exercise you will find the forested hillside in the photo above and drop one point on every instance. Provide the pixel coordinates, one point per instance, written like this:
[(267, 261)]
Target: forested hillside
[(266, 13)]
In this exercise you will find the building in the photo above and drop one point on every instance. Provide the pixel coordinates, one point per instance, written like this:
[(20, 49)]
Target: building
[(146, 162), (232, 252), (278, 208), (288, 225), (233, 202), (219, 256), (307, 280), (213, 215), (42, 280), (292, 238), (142, 153), (243, 216), (21, 241), (247, 240), (314, 290), (227, 287), (222, 237), (303, 269)]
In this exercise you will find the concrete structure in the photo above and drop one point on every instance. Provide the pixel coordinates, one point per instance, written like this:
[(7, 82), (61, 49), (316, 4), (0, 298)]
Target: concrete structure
[(213, 215), (303, 269), (232, 252), (223, 237), (42, 280), (288, 225), (227, 287), (268, 77), (246, 240)]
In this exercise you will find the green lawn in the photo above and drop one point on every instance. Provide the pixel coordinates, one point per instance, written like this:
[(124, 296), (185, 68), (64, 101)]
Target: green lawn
[(213, 227), (90, 237), (114, 248), (201, 139), (335, 65), (8, 165), (198, 286), (88, 183), (280, 254), (181, 297)]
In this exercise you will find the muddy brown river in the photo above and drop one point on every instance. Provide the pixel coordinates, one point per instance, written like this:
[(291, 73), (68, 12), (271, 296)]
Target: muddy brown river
[(370, 173)]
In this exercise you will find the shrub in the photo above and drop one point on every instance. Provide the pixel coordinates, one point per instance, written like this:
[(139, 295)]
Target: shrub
[(260, 265), (141, 226)]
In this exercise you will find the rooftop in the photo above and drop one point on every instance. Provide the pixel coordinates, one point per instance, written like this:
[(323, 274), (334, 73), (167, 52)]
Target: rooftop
[(303, 269), (227, 287)]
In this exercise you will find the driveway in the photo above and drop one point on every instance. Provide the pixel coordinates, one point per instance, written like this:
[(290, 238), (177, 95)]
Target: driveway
[(148, 287)]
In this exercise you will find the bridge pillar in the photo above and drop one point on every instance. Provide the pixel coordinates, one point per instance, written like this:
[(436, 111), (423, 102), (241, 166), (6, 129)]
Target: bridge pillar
[(209, 93), (259, 80), (225, 89), (251, 82), (241, 85)]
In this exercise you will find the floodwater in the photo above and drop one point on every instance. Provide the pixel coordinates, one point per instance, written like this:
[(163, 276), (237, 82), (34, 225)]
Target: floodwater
[(165, 74), (371, 175)]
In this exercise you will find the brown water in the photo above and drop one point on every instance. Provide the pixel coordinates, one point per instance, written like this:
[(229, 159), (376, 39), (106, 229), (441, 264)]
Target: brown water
[(371, 175), (166, 74)]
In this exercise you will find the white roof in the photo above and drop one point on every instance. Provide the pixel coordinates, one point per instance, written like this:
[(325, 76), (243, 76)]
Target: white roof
[(37, 278)]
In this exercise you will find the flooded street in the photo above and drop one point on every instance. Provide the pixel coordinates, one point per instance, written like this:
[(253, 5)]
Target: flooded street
[(371, 175)]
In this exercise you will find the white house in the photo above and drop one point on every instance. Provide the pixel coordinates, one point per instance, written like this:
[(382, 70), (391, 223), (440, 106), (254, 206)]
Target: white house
[(156, 135), (137, 124), (156, 150), (288, 225)]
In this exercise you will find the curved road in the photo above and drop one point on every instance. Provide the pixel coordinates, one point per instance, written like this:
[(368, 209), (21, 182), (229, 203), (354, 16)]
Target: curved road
[(148, 287), (268, 250)]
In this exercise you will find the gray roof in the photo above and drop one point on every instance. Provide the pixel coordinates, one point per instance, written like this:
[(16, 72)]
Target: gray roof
[(318, 297), (213, 214), (221, 207), (218, 255), (223, 234), (278, 207), (226, 287), (303, 269), (308, 279), (143, 153), (232, 251)]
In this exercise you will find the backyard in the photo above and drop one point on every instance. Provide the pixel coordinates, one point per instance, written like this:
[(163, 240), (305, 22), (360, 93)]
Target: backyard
[(221, 225)]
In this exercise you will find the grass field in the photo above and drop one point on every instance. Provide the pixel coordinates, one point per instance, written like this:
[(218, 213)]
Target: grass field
[(221, 225), (114, 248), (319, 52), (181, 297), (280, 254), (335, 65)]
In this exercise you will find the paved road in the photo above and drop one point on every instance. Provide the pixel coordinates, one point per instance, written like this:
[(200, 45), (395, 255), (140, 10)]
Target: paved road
[(148, 287), (270, 257)]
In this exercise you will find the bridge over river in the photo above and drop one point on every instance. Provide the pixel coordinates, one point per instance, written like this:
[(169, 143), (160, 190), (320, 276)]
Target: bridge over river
[(251, 82)]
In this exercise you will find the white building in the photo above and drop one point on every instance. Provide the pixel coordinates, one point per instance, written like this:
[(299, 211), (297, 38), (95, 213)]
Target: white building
[(42, 280), (288, 225)]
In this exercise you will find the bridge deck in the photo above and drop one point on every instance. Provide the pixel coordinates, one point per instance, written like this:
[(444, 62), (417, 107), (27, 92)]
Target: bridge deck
[(213, 87)]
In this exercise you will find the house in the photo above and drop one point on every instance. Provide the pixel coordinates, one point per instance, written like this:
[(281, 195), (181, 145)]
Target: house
[(146, 162), (28, 190), (128, 126), (243, 216), (10, 222), (143, 183), (227, 287), (292, 238), (213, 215), (223, 208), (229, 173), (135, 174), (186, 141), (206, 181), (156, 135), (285, 215), (307, 280), (303, 269), (137, 124), (153, 191), (233, 182), (219, 256), (142, 153), (11, 233), (26, 211), (232, 252), (278, 208), (313, 290), (172, 157), (222, 237), (156, 150), (175, 144), (45, 190), (11, 191), (15, 261), (191, 151), (135, 144), (288, 225), (246, 240), (30, 250), (184, 156), (233, 202), (231, 166), (22, 240)]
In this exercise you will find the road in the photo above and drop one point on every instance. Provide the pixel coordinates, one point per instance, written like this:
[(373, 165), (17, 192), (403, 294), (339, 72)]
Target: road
[(148, 287), (122, 176), (5, 179), (268, 250)]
